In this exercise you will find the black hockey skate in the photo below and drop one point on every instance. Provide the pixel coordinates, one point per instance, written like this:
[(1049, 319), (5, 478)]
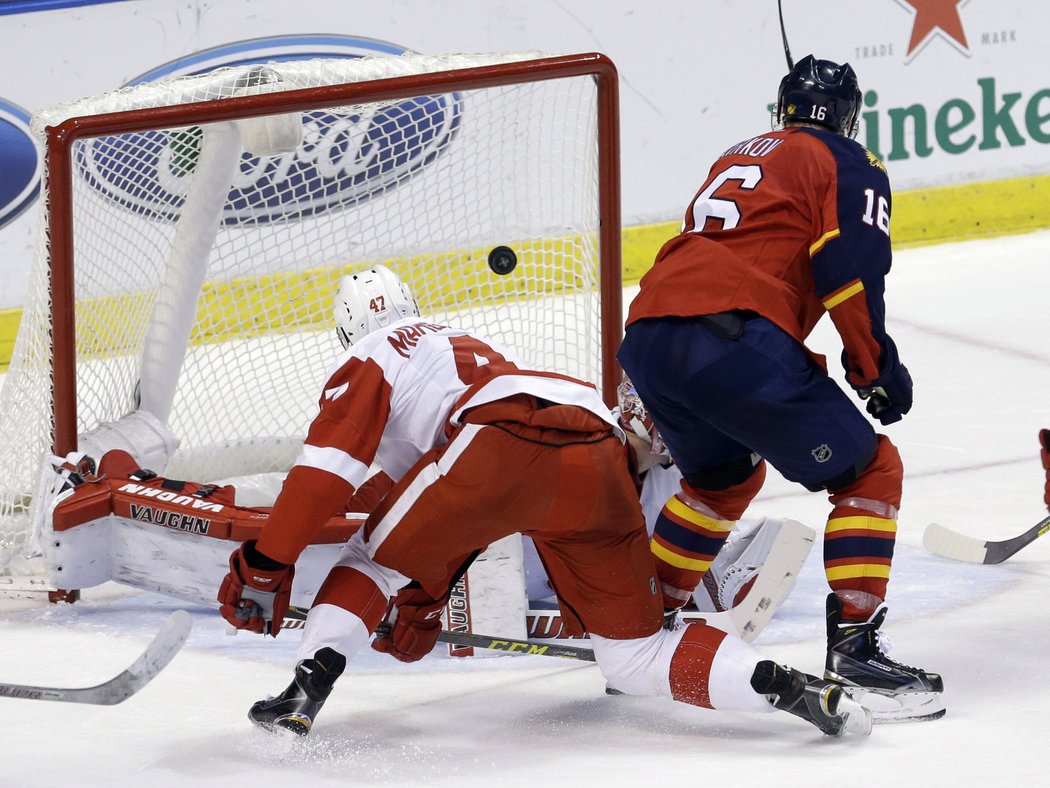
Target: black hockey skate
[(296, 708), (857, 660), (817, 701)]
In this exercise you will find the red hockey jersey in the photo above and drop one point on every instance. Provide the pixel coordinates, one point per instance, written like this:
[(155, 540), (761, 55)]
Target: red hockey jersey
[(790, 225)]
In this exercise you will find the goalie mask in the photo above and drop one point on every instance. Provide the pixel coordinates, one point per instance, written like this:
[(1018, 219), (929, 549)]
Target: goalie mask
[(634, 417), (820, 92), (369, 301)]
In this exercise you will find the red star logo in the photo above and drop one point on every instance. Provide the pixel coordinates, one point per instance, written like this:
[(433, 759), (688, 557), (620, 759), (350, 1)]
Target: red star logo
[(936, 17)]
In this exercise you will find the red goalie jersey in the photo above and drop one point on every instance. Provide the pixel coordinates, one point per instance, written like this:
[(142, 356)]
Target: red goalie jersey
[(789, 225)]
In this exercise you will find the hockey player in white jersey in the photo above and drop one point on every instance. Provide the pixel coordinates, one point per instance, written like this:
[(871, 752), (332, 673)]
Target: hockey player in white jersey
[(479, 446)]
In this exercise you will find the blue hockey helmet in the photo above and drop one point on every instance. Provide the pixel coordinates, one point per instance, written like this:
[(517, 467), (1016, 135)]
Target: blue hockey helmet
[(820, 92)]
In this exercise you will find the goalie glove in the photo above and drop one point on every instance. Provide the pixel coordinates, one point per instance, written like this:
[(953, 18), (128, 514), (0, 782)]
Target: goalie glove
[(256, 592), (416, 626)]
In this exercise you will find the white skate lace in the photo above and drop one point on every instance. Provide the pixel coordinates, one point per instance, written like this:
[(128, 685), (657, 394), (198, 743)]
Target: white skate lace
[(734, 578), (885, 645)]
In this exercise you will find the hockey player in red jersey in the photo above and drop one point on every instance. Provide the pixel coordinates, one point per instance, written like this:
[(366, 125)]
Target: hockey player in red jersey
[(1044, 455), (479, 446), (788, 226)]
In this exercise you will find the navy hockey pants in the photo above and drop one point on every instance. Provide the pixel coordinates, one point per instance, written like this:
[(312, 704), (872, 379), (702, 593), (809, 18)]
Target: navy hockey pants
[(716, 399)]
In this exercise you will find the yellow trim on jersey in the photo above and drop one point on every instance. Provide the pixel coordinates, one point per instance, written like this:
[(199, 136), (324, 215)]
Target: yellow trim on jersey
[(677, 507), (679, 561), (860, 523), (823, 240), (842, 295), (851, 571)]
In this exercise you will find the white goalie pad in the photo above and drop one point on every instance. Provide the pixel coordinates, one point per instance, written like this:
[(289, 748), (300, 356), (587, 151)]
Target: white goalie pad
[(175, 538), (490, 597), (166, 540)]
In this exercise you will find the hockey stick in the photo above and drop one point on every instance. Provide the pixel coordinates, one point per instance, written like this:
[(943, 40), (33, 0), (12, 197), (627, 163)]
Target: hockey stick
[(165, 645), (951, 544), (784, 35), (507, 644), (512, 645)]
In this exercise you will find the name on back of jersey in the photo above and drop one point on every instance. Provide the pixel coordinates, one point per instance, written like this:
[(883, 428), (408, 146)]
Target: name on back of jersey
[(404, 338)]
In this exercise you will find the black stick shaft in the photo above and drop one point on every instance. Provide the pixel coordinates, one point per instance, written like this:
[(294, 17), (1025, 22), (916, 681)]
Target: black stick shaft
[(784, 36), (511, 645)]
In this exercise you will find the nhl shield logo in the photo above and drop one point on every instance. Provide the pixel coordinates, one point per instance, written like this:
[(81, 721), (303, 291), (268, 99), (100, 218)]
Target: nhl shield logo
[(822, 453)]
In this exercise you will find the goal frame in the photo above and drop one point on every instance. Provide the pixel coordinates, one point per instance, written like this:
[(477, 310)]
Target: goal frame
[(59, 188)]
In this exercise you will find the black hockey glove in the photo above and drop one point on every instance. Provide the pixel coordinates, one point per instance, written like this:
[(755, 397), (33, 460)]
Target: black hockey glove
[(889, 396)]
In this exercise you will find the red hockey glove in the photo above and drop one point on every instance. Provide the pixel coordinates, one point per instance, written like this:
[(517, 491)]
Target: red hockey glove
[(256, 592), (1044, 453), (416, 629)]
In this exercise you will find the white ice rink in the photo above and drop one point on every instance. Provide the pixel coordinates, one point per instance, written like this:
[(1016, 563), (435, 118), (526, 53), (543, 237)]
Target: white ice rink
[(971, 323)]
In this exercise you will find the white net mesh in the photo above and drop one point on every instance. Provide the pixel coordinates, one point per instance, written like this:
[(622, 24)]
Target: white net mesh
[(180, 231)]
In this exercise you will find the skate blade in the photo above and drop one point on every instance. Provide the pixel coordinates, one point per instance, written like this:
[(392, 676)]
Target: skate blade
[(297, 725), (856, 719), (889, 708)]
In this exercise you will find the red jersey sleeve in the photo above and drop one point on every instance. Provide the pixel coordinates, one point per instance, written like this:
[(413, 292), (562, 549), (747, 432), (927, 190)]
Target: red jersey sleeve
[(340, 446)]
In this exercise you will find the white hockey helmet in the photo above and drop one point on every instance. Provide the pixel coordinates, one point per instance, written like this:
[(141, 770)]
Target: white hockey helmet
[(370, 300)]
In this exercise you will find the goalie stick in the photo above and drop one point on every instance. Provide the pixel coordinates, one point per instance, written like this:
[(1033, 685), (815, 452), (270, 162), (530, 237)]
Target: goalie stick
[(951, 544), (165, 645)]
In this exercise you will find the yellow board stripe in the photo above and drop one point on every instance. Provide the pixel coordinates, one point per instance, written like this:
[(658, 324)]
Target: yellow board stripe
[(679, 561), (851, 571), (823, 240), (833, 301), (986, 209), (697, 518), (302, 301), (860, 523)]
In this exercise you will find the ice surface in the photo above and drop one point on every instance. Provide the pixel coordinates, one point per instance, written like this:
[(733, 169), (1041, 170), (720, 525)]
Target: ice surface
[(970, 323)]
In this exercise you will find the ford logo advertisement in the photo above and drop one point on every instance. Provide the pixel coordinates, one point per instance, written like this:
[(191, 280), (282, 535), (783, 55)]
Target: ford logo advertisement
[(19, 163), (345, 157)]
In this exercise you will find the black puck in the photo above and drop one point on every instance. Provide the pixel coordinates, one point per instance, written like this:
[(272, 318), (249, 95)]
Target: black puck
[(502, 260)]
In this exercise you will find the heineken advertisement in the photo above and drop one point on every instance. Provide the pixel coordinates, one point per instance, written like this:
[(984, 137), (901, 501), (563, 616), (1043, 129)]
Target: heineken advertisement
[(956, 92), (988, 119)]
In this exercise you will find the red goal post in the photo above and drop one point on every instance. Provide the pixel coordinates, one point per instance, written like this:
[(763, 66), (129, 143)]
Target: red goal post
[(558, 262)]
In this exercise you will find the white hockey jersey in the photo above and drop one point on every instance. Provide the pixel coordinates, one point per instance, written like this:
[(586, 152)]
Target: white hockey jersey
[(400, 391)]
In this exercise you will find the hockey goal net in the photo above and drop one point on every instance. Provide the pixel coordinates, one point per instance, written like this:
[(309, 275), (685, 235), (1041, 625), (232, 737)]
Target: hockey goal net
[(194, 231)]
